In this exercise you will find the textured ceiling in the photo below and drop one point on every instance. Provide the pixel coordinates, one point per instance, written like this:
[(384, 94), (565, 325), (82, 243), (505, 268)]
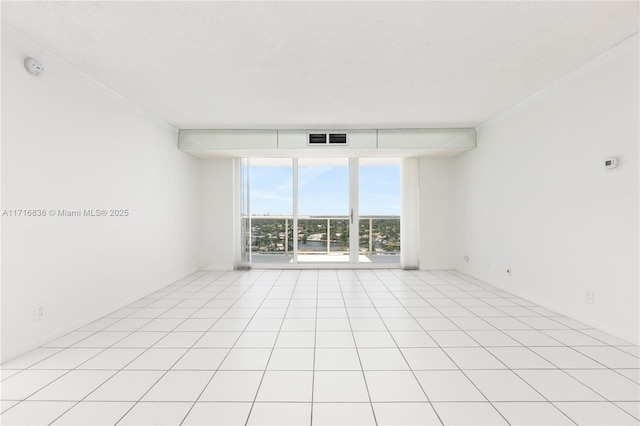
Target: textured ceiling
[(324, 64)]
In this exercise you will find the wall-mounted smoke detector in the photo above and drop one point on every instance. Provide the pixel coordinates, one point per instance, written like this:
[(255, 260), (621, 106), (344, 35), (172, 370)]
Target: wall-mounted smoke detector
[(33, 66), (327, 139)]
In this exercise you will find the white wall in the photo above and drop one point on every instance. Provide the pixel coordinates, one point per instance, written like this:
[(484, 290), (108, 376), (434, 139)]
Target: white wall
[(217, 197), (68, 145), (534, 197), (436, 213)]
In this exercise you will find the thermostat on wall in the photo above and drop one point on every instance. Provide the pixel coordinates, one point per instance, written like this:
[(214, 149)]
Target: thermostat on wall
[(611, 163)]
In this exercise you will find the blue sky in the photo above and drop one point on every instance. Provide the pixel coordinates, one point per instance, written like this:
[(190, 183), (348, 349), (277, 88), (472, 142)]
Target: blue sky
[(324, 190)]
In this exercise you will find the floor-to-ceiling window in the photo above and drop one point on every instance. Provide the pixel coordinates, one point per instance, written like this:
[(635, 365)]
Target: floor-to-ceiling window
[(325, 211), (271, 195), (379, 209)]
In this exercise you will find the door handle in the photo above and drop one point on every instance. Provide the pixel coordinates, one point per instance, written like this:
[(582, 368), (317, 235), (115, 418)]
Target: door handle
[(351, 216)]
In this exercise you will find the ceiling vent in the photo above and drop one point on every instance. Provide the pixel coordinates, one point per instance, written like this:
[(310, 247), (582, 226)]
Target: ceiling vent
[(327, 139), (338, 138), (317, 138)]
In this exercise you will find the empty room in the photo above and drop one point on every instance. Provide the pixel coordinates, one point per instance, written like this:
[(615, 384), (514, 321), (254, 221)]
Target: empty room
[(320, 213)]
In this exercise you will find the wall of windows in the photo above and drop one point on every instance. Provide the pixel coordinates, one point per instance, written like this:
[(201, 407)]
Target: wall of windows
[(328, 210)]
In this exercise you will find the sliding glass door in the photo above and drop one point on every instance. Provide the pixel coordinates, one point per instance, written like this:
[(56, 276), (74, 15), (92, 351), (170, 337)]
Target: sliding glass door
[(313, 211), (323, 210)]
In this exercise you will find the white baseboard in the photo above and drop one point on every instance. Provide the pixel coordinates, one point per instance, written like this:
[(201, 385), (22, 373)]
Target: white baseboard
[(437, 266)]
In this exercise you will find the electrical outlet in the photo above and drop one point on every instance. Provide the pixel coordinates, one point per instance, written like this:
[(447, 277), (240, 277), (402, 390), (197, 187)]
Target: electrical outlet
[(509, 271), (38, 313), (588, 296)]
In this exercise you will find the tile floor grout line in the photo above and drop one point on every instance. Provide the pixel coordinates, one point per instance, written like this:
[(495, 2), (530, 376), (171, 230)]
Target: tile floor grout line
[(552, 318), (75, 368), (352, 402), (168, 369), (60, 351), (355, 343), (266, 367), (456, 364), (230, 349), (563, 370), (235, 342), (562, 344), (514, 371), (379, 287), (315, 347), (635, 416), (402, 353)]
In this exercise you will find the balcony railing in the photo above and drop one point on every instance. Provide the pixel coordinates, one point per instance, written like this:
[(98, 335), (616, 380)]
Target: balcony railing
[(324, 234)]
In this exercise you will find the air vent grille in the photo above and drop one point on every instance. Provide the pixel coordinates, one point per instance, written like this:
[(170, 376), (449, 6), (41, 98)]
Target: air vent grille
[(317, 138), (328, 139), (338, 138)]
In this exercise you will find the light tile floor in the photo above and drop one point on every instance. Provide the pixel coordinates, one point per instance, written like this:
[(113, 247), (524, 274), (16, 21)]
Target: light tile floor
[(363, 347)]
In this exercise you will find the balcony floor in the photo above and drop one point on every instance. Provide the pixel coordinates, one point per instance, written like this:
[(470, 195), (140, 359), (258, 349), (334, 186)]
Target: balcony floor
[(258, 260)]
